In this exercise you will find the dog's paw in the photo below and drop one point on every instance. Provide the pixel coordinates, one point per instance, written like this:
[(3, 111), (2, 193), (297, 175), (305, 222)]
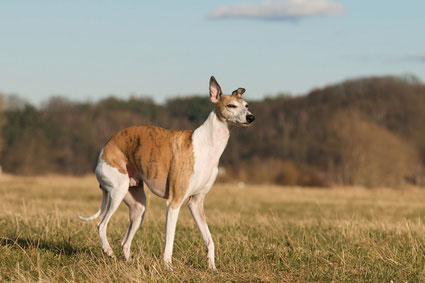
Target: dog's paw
[(211, 264), (212, 267), (109, 252), (168, 265), (126, 252)]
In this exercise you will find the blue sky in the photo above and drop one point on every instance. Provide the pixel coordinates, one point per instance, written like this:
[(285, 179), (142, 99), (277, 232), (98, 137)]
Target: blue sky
[(86, 50)]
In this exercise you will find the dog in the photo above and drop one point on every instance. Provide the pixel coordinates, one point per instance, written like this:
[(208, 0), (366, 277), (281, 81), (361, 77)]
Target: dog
[(175, 165)]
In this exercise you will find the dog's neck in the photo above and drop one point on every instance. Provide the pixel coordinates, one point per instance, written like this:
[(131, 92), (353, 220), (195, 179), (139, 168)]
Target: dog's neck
[(212, 135)]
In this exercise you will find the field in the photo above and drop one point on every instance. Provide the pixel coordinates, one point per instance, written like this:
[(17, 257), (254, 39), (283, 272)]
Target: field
[(262, 233)]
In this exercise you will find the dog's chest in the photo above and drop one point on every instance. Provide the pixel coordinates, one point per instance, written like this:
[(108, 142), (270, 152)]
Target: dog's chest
[(207, 152), (205, 167)]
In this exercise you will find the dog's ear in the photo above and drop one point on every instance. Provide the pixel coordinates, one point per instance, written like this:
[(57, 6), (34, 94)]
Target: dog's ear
[(215, 90), (238, 92)]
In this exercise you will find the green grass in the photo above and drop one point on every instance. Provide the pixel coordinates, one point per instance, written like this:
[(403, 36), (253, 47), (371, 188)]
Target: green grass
[(262, 233)]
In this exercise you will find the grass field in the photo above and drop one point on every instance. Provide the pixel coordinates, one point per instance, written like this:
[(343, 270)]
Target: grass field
[(262, 233)]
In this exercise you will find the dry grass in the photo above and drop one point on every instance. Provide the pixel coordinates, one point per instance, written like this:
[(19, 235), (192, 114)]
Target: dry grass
[(262, 233)]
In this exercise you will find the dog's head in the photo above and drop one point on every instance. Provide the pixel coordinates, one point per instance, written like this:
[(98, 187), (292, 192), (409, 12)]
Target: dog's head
[(231, 109)]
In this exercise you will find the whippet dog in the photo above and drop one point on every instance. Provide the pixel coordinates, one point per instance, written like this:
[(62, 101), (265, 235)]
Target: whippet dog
[(175, 165)]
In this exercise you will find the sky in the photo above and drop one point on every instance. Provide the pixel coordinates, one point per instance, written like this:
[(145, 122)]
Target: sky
[(88, 50)]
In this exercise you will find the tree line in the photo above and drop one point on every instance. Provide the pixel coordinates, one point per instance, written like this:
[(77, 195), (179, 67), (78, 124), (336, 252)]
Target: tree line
[(368, 131)]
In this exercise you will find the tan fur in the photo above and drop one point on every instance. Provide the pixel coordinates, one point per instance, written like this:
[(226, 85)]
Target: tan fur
[(163, 158), (220, 106)]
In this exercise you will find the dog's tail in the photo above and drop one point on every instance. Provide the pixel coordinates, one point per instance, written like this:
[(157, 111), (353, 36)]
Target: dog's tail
[(99, 212)]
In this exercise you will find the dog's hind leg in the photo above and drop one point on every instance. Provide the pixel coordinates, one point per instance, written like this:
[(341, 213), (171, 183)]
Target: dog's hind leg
[(116, 196), (135, 199), (117, 185)]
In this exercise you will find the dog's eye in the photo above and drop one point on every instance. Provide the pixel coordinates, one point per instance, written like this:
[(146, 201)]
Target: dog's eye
[(231, 106), (246, 106)]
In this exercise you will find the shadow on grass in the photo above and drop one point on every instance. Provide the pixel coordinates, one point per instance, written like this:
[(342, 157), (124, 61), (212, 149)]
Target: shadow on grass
[(64, 247)]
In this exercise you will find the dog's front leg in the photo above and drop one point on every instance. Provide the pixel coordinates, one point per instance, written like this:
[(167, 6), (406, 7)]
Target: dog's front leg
[(170, 229), (196, 206)]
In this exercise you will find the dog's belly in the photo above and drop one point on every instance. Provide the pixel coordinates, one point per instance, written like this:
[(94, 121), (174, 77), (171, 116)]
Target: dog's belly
[(158, 187)]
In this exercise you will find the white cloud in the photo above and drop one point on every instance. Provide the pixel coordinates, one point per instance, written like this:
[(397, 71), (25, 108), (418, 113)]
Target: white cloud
[(279, 10)]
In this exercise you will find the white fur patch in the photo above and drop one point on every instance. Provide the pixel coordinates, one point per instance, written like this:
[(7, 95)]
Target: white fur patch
[(108, 176), (209, 142)]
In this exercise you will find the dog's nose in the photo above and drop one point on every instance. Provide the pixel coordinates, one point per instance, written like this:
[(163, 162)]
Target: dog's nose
[(250, 118)]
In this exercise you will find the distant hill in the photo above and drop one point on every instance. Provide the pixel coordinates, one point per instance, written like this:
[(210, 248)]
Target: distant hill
[(367, 131)]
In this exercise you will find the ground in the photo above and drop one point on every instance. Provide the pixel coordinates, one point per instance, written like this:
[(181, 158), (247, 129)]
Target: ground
[(262, 233)]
